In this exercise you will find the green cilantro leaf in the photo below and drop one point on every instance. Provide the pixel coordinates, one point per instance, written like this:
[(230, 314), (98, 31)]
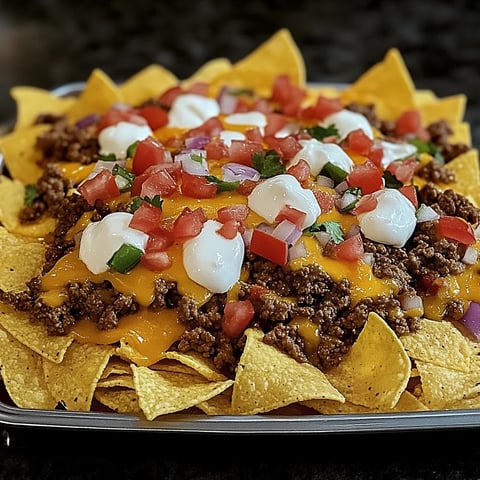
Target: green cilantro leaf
[(31, 194), (268, 163), (331, 227), (320, 133), (428, 147), (223, 186)]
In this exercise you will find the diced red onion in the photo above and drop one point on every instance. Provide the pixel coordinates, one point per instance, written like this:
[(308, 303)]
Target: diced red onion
[(368, 258), (426, 213), (352, 231), (322, 237), (411, 302), (191, 166), (226, 101), (324, 181), (284, 229), (471, 319), (341, 187), (345, 200), (87, 120), (233, 172), (247, 236), (298, 250), (476, 232), (265, 227), (471, 256), (197, 142)]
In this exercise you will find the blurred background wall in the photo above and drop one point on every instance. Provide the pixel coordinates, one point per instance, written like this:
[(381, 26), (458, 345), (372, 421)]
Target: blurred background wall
[(47, 43)]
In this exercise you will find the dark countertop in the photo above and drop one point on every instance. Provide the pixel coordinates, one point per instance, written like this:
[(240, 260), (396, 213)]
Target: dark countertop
[(48, 43)]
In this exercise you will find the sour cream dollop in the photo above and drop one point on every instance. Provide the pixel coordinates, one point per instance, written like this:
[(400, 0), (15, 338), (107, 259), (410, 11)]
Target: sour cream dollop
[(117, 138), (392, 221), (271, 195), (100, 240), (347, 121), (317, 154), (394, 151), (212, 260), (190, 110)]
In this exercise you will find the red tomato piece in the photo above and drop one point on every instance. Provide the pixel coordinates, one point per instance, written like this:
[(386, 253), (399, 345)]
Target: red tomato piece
[(410, 123), (291, 214), (149, 152), (216, 149), (411, 193), (159, 240), (158, 183), (188, 224), (325, 200), (100, 187), (156, 117), (269, 247), (367, 176), (376, 155), (241, 151), (455, 228), (197, 187), (172, 168), (146, 217), (301, 171), (210, 128), (229, 229), (169, 95), (288, 96), (359, 142), (322, 108), (115, 115), (403, 170), (246, 187), (156, 261), (236, 317), (275, 122), (233, 212), (287, 147), (367, 203), (350, 250)]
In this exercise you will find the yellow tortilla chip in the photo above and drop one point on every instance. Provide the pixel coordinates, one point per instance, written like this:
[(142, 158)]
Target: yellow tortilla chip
[(375, 371), (387, 84), (99, 95), (31, 102), (451, 109), (20, 156), (277, 55), (124, 381), (218, 405), (73, 381), (22, 374), (146, 84), (162, 392), (441, 343), (119, 400), (33, 335), (267, 379), (209, 71)]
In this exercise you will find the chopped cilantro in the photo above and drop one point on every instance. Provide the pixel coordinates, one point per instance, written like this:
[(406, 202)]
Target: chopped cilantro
[(223, 186), (320, 133), (391, 180), (268, 163), (334, 229), (156, 201), (196, 157), (428, 147), (31, 194), (126, 176)]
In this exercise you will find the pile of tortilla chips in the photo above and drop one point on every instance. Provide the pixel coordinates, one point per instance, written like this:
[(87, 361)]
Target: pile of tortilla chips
[(437, 367)]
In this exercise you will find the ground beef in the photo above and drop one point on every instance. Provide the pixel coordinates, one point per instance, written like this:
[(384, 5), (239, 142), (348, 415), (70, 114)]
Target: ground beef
[(435, 172), (68, 143), (440, 133)]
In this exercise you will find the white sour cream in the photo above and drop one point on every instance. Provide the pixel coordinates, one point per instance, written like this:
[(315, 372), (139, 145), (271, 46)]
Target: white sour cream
[(117, 138), (317, 154), (347, 121), (100, 240), (393, 220), (228, 135), (269, 197), (255, 119), (190, 110), (212, 260), (394, 151)]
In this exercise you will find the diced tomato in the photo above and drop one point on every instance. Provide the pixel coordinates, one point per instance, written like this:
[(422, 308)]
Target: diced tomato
[(301, 171), (403, 170), (149, 152), (455, 228), (159, 183), (287, 95), (156, 261), (188, 224), (257, 291), (172, 168), (375, 155), (291, 214), (229, 229), (197, 186), (199, 88), (287, 146), (262, 105), (246, 187), (241, 151), (169, 95), (367, 176), (100, 187), (367, 203), (210, 128), (146, 217), (216, 149), (410, 123), (236, 317), (254, 135), (359, 142), (156, 117), (269, 247), (323, 108), (325, 200), (411, 193), (159, 240), (275, 122), (120, 114), (238, 213), (350, 250)]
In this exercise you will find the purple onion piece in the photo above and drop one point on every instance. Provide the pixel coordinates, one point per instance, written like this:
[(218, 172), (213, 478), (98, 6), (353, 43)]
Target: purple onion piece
[(236, 171), (471, 319), (87, 121), (197, 142)]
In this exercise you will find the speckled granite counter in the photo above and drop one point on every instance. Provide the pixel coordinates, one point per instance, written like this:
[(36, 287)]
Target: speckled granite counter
[(49, 43)]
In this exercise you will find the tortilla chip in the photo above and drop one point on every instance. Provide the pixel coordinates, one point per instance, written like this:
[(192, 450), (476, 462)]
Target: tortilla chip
[(218, 405), (22, 374), (124, 381), (33, 335), (73, 381), (375, 371), (32, 101), (162, 392), (441, 343), (119, 400), (451, 109), (146, 84), (209, 71), (267, 379)]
